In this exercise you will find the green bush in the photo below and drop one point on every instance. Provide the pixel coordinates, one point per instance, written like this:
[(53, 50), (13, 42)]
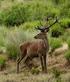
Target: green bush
[(65, 23), (57, 74), (35, 71), (68, 41), (3, 31), (12, 51), (2, 62), (67, 56), (13, 39), (65, 10), (15, 15), (55, 43), (56, 30), (65, 37), (30, 25), (22, 12)]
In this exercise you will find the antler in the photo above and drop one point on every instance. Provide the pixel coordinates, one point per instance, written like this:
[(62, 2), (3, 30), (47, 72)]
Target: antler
[(42, 29), (56, 21)]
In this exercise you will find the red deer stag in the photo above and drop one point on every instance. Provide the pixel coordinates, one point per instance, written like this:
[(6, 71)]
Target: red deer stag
[(39, 48)]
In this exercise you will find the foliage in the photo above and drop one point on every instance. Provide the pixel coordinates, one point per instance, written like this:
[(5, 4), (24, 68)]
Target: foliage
[(55, 43), (68, 41), (67, 56), (23, 12), (35, 71), (16, 15), (13, 39), (66, 35), (3, 31), (30, 25), (2, 62), (56, 30), (65, 23), (57, 74)]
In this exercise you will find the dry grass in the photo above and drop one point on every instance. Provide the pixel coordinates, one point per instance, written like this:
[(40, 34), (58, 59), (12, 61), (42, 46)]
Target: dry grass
[(10, 75)]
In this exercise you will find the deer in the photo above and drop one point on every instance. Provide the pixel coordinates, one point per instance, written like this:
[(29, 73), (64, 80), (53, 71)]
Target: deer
[(39, 47)]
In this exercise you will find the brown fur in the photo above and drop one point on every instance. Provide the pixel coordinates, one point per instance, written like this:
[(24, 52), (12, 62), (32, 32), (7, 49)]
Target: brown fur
[(38, 47)]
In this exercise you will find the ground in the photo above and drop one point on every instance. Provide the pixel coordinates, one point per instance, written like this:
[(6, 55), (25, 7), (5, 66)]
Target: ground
[(9, 74)]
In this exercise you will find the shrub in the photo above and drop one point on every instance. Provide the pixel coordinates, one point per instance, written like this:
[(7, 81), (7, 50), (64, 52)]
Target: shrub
[(13, 39), (65, 23), (57, 74), (55, 43), (15, 15), (67, 56), (68, 41), (66, 36), (30, 25), (2, 62), (3, 31), (22, 12), (12, 51), (56, 31), (35, 71)]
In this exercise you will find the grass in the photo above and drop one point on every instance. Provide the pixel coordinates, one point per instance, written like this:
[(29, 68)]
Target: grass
[(14, 38), (2, 62), (65, 22), (21, 17), (55, 43), (68, 41), (67, 56), (56, 30)]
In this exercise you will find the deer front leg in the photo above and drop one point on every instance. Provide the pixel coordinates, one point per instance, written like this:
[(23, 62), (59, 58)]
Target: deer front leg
[(45, 65), (41, 59)]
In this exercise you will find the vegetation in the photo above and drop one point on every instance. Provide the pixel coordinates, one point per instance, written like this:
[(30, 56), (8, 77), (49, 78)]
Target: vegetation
[(67, 56), (55, 43), (57, 74), (56, 31), (35, 71), (65, 23), (68, 41), (2, 62), (18, 19)]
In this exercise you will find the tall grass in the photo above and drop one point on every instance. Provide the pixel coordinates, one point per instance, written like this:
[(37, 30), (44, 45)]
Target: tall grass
[(13, 39), (55, 43)]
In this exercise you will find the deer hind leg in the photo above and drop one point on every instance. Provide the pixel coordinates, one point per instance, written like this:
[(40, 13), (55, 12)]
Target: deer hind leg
[(45, 65), (18, 62), (41, 59)]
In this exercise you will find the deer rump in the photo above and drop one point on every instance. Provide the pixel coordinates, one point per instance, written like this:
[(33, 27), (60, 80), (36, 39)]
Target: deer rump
[(33, 49)]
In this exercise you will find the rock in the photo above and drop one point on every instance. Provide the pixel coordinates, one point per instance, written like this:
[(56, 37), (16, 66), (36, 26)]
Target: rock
[(61, 50), (2, 50)]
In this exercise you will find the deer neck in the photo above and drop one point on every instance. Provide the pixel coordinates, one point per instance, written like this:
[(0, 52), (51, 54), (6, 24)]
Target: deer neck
[(46, 42)]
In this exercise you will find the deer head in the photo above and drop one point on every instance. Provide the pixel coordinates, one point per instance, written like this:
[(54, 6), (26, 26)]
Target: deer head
[(44, 30)]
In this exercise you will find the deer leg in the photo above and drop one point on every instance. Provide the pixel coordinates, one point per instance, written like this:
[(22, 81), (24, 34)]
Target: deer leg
[(41, 59), (18, 65), (45, 65), (25, 58), (18, 62)]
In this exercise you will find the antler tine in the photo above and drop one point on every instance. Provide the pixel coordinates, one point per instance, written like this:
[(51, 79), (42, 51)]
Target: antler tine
[(42, 29), (56, 21), (47, 18)]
